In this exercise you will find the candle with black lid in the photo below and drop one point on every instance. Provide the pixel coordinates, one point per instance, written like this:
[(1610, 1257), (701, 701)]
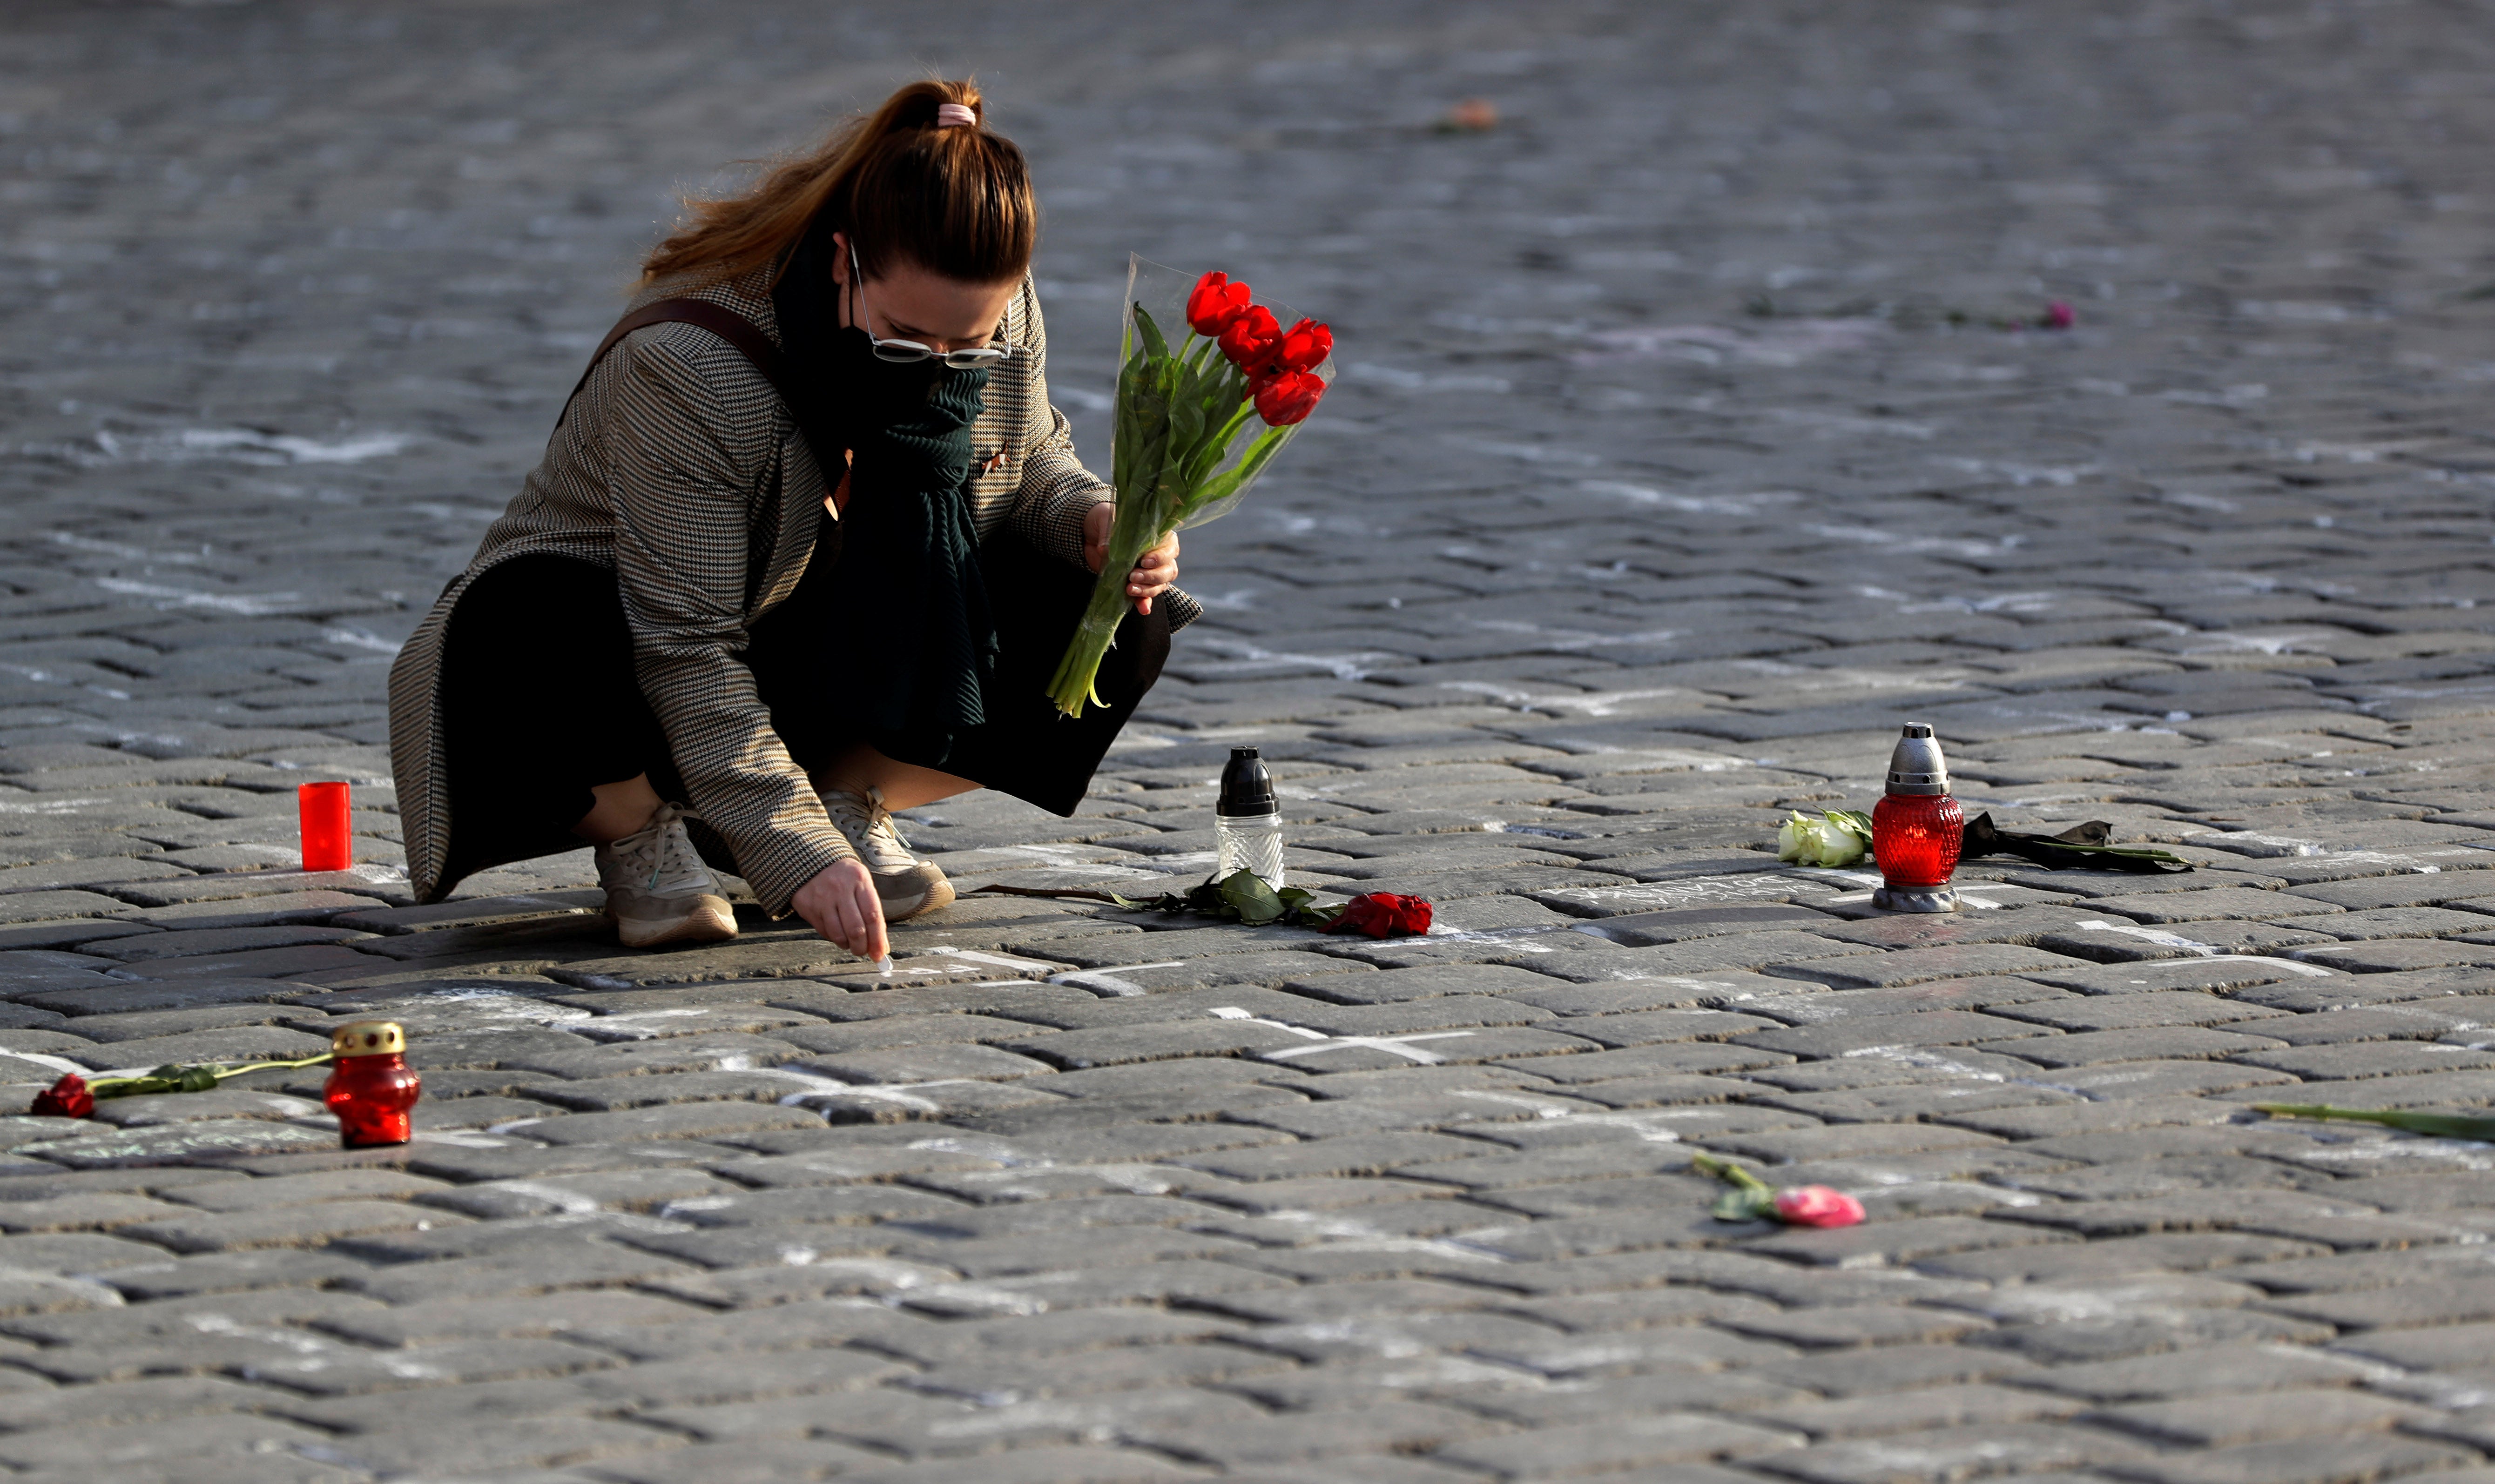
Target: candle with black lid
[(1248, 820)]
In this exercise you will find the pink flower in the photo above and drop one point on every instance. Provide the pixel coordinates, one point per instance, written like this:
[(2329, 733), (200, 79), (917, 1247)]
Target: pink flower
[(1817, 1205), (2058, 316)]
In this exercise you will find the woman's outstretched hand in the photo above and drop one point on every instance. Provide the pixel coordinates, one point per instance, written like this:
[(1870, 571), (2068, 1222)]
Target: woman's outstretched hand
[(1154, 572), (840, 904)]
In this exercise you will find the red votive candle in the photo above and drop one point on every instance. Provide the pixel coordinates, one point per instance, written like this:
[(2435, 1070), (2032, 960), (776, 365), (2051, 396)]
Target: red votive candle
[(371, 1087), (1917, 839), (322, 808), (1917, 829)]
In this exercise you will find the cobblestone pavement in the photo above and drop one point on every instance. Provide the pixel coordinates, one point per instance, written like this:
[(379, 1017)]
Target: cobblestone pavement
[(1684, 448)]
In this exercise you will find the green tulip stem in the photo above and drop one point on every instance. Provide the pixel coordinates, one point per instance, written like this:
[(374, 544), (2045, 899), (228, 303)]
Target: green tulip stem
[(172, 1076), (2410, 1120)]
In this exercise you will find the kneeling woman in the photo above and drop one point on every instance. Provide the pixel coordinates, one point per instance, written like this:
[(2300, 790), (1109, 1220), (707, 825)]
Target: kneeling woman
[(804, 549)]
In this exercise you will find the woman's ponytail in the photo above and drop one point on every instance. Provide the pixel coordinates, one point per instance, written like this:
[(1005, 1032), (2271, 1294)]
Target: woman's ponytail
[(904, 185)]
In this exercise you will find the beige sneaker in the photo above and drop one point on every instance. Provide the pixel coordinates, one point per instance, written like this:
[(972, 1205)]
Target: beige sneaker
[(657, 890), (906, 885)]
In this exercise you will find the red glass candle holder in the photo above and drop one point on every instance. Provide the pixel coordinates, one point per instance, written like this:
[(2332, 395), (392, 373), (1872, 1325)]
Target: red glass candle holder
[(1917, 829), (371, 1087), (1915, 838), (320, 808)]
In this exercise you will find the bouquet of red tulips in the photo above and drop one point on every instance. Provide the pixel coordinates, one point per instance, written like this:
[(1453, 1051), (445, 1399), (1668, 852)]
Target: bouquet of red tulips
[(1180, 413)]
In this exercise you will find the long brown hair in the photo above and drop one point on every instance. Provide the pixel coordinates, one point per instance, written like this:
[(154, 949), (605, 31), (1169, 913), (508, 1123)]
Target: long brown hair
[(956, 202)]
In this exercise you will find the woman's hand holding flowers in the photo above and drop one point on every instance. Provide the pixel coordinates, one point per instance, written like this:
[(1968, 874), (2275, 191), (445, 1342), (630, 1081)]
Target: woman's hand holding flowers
[(1155, 571)]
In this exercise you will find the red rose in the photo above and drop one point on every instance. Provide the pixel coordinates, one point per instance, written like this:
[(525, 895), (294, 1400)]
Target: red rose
[(1305, 347), (2058, 316), (1816, 1205), (1251, 338), (1383, 915), (1214, 303), (67, 1098), (1288, 397)]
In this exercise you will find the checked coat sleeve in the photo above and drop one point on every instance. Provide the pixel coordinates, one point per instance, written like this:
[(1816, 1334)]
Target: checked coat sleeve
[(690, 455)]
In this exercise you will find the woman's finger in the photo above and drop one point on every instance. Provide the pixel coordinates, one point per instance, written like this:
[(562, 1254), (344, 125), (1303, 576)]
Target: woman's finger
[(870, 911)]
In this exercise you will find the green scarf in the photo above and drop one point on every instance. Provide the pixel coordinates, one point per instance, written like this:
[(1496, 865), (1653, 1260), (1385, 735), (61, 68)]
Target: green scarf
[(912, 645)]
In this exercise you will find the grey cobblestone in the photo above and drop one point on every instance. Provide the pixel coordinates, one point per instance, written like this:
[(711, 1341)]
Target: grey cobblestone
[(1684, 447)]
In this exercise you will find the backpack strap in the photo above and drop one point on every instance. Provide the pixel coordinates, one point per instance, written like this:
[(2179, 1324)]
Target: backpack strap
[(728, 326)]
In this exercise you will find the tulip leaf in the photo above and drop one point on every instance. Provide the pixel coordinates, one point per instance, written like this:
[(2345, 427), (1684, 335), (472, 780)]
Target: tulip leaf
[(1154, 344), (1221, 487)]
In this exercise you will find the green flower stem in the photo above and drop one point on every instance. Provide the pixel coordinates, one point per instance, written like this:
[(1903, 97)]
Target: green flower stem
[(2437, 1125), (1750, 1200), (178, 1077), (1730, 1174), (1133, 534)]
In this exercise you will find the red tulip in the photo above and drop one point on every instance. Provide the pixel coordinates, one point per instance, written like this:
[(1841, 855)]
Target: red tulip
[(1304, 347), (1384, 913), (1288, 397), (67, 1098), (1251, 338), (1216, 303), (1817, 1205)]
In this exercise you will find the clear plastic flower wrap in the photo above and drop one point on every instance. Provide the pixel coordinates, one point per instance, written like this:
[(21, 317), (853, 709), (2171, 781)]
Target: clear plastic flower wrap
[(1178, 457)]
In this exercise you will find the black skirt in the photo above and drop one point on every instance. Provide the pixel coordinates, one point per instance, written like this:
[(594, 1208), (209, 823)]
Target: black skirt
[(541, 701)]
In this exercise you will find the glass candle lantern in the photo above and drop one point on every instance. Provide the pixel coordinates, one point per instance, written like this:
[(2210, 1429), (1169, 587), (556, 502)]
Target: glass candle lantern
[(1917, 829), (371, 1087), (1248, 820)]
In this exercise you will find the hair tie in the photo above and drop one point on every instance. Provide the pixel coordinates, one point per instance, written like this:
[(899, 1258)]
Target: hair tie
[(950, 115)]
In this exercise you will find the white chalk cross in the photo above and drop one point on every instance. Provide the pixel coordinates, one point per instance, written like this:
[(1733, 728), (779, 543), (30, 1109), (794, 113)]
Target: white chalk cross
[(1319, 1040)]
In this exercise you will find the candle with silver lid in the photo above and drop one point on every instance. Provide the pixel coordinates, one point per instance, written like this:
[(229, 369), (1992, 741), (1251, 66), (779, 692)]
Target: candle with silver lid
[(1917, 829)]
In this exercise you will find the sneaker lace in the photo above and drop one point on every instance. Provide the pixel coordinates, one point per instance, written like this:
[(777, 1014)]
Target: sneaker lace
[(864, 819), (665, 855)]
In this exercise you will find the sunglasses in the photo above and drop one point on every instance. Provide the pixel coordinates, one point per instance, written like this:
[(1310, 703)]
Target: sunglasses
[(907, 353)]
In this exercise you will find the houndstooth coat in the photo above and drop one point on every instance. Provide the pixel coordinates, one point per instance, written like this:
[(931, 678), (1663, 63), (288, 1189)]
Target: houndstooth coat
[(679, 467)]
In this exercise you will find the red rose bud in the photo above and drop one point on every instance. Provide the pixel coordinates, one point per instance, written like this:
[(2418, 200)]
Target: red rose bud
[(67, 1098), (1215, 303), (1383, 915), (1290, 397), (1305, 347), (1816, 1205), (2058, 316), (1251, 338)]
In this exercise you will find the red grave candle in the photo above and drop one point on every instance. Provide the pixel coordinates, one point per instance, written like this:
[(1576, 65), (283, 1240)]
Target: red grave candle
[(322, 810), (1917, 829), (371, 1087), (1915, 840)]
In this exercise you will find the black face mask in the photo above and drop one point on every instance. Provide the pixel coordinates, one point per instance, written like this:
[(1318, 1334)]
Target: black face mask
[(871, 392), (908, 544)]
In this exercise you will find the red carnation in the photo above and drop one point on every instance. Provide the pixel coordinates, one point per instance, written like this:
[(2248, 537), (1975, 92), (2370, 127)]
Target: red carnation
[(1383, 915), (1214, 303), (67, 1098)]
